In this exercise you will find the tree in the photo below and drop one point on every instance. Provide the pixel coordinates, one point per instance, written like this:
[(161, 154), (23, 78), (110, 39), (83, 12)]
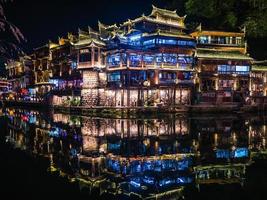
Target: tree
[(229, 15), (10, 36)]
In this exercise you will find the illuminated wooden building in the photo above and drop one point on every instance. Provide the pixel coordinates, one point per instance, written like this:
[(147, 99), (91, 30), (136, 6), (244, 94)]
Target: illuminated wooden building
[(149, 60), (223, 66), (259, 79), (64, 65), (91, 63), (20, 76), (66, 78), (4, 87), (42, 69)]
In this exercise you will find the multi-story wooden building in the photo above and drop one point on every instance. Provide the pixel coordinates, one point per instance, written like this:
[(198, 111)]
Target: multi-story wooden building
[(4, 87), (223, 66), (152, 60), (20, 76), (42, 69), (66, 78), (148, 61), (91, 63), (258, 78)]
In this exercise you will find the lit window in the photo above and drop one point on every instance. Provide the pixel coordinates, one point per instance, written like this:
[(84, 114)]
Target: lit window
[(85, 55), (149, 42), (113, 60), (238, 40), (134, 40), (135, 60), (170, 59), (158, 58), (203, 39), (114, 77), (148, 59)]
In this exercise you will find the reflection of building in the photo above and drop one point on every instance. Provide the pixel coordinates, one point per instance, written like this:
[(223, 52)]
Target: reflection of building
[(220, 174), (151, 157)]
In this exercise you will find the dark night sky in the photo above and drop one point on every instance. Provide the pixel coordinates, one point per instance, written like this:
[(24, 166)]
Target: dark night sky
[(41, 20)]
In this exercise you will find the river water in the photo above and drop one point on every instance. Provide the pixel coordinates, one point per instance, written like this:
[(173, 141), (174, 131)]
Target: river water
[(173, 157)]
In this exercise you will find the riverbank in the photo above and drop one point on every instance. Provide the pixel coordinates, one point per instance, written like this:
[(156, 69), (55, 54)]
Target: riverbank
[(142, 111)]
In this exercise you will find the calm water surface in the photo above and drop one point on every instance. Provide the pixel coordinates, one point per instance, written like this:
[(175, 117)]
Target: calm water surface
[(191, 157)]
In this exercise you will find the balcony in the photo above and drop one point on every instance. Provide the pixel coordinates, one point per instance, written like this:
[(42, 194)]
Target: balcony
[(84, 65)]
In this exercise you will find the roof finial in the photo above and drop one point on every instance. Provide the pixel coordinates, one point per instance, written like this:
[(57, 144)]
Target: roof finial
[(199, 27), (244, 29)]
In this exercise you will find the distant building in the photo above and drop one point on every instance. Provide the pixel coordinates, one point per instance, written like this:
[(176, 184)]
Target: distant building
[(4, 87), (20, 76)]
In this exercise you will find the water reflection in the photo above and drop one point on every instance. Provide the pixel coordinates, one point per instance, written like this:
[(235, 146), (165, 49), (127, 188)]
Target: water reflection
[(141, 157)]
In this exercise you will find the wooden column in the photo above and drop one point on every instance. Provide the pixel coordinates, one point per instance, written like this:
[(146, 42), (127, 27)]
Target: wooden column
[(92, 56), (99, 56)]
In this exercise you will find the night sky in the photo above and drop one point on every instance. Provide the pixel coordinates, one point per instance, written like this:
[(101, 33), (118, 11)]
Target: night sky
[(43, 20)]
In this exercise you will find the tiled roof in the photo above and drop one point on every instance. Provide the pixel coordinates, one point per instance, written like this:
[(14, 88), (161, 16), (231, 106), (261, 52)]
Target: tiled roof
[(215, 54)]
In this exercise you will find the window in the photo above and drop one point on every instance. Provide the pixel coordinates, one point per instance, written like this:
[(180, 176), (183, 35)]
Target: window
[(165, 41), (137, 77), (149, 42), (242, 69), (148, 59), (124, 59), (188, 75), (169, 59), (221, 40), (167, 75), (214, 39), (226, 69), (232, 69), (151, 74), (238, 40), (185, 59), (114, 77), (227, 40), (226, 84), (186, 43), (85, 55), (113, 60), (233, 40), (158, 58), (134, 40), (135, 60), (203, 39), (73, 65)]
